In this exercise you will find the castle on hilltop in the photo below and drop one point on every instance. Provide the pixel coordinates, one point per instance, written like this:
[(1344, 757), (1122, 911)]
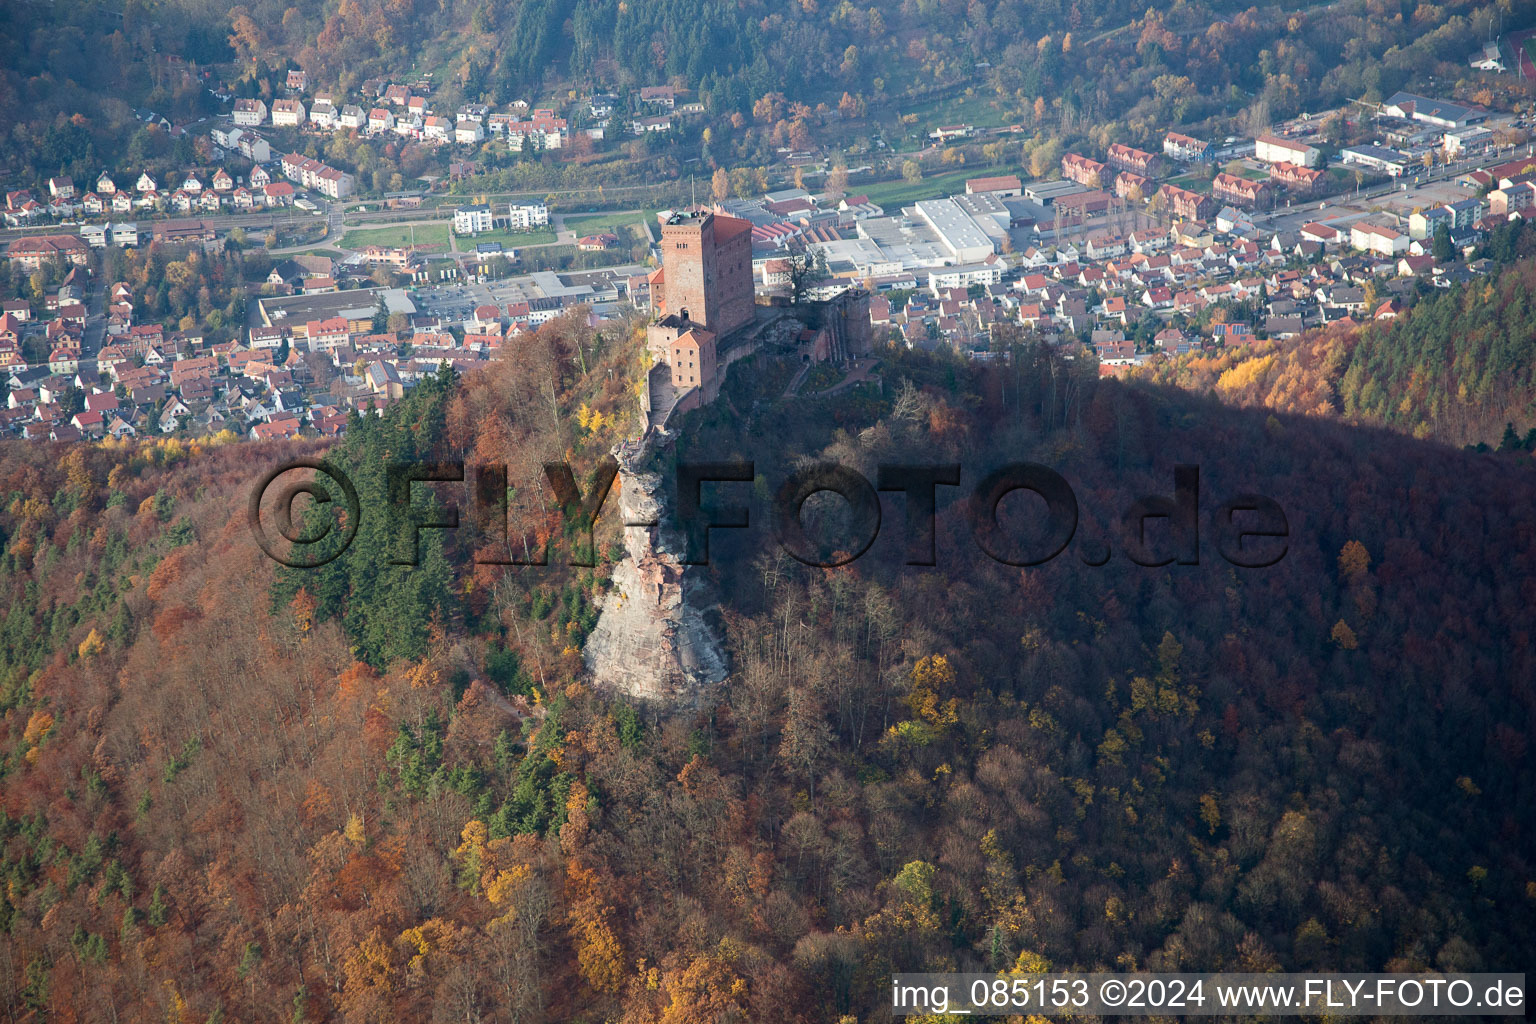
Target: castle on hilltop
[(701, 293), (659, 637)]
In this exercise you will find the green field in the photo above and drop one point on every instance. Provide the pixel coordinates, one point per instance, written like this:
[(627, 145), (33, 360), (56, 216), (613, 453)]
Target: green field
[(1192, 182), (892, 194), (510, 239), (596, 223), (425, 234), (976, 109)]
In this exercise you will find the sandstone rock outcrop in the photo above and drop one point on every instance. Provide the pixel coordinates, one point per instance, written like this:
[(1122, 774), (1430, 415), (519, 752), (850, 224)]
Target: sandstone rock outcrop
[(657, 636)]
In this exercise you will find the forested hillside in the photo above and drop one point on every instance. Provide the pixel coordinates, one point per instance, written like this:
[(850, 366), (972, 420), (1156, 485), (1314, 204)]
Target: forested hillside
[(1459, 365), (769, 75), (236, 794)]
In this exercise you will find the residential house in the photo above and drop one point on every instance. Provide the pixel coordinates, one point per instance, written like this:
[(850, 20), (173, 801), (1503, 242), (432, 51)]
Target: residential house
[(661, 96), (471, 220), (248, 114), (1185, 204), (277, 429), (652, 123), (1283, 326), (322, 114), (1083, 170), (327, 335), (1295, 177), (1323, 234), (287, 113), (1186, 148), (526, 216), (33, 251), (1517, 198), (542, 130), (1132, 186), (1245, 192), (1368, 236), (1137, 161)]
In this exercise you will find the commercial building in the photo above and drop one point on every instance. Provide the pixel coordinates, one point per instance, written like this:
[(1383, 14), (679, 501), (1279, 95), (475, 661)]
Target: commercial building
[(357, 306), (1460, 143), (998, 185), (1376, 158), (961, 236), (1441, 113), (1272, 149)]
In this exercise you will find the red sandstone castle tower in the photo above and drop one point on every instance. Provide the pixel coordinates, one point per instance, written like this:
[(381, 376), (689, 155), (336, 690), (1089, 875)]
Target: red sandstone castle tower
[(706, 270)]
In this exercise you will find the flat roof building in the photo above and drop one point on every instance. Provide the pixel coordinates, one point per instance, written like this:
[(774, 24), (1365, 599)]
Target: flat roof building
[(356, 304), (958, 233), (1443, 113)]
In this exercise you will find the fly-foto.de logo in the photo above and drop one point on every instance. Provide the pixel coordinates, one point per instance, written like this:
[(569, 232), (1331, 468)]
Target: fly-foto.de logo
[(1249, 530)]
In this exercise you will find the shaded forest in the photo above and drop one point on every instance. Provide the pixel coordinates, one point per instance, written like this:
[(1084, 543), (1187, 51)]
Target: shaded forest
[(373, 793)]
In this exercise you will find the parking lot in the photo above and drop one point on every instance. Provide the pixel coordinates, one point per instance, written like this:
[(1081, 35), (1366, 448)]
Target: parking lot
[(452, 302), (457, 302)]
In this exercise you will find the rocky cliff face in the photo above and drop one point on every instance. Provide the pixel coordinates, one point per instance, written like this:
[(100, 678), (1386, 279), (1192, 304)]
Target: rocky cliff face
[(656, 637)]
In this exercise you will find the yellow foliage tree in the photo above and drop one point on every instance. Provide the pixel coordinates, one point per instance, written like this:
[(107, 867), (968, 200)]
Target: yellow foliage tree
[(932, 676), (1210, 812), (599, 956), (91, 646), (38, 727), (1354, 561)]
